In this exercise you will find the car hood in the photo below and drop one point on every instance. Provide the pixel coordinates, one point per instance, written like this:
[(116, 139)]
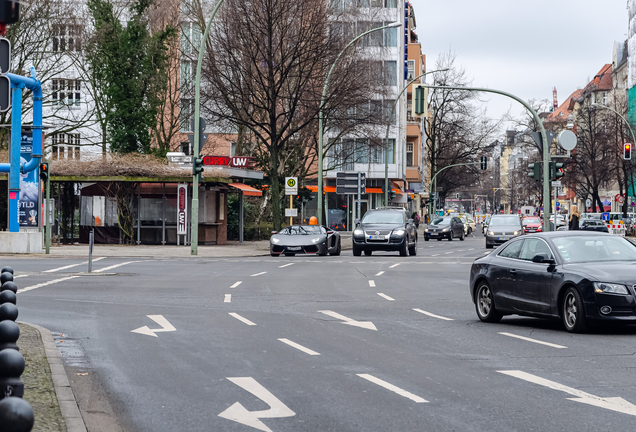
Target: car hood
[(623, 272), (505, 228), (533, 225), (291, 240), (386, 226), (440, 226)]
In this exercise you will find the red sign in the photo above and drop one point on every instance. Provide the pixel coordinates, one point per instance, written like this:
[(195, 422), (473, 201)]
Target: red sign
[(233, 161), (182, 209), (13, 195), (619, 199)]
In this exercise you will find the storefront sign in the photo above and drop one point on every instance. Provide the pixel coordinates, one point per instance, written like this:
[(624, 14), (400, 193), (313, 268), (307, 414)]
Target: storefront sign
[(182, 209), (233, 161), (29, 185)]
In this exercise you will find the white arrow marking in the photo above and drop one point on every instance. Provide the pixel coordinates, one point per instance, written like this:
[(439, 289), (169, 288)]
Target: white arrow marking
[(159, 319), (240, 414), (617, 404), (364, 324), (433, 315)]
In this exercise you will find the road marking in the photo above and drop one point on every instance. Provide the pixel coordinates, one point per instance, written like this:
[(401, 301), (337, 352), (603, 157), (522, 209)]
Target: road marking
[(240, 318), (472, 249), (393, 388), (386, 297), (395, 265), (372, 284), (433, 315), (617, 404), (380, 273), (363, 324), (435, 255), (228, 298), (115, 266), (240, 414), (43, 284), (159, 319), (71, 266), (461, 250), (532, 340), (258, 274), (446, 253), (20, 276), (236, 284), (286, 265), (299, 347)]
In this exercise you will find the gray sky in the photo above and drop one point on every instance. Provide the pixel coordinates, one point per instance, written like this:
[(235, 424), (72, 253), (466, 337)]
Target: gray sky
[(523, 47)]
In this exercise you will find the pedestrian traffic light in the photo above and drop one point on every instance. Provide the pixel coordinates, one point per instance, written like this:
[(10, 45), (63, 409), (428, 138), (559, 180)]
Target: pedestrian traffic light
[(419, 107), (535, 171), (197, 166), (627, 151), (484, 162), (9, 11), (391, 195), (44, 171), (556, 171)]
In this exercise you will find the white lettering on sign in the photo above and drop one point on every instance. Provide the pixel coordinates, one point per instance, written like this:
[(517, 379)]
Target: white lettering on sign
[(182, 209)]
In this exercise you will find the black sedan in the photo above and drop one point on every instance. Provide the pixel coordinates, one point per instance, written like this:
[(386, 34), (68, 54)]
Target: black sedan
[(581, 278), (446, 227), (304, 239)]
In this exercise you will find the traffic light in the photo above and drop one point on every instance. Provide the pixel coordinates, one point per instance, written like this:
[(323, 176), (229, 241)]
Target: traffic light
[(627, 151), (9, 11), (556, 171), (484, 162), (391, 195), (420, 96), (197, 166), (44, 171), (535, 171)]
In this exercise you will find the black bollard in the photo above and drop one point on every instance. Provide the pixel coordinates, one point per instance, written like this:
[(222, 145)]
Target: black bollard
[(16, 415), (6, 277), (11, 286), (11, 367), (9, 335), (8, 311), (7, 269), (7, 296)]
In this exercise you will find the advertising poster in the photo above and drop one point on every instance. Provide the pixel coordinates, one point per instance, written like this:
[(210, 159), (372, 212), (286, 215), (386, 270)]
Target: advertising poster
[(29, 190), (182, 209)]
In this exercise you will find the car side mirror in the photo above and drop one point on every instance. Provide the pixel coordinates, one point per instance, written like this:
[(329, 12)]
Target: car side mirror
[(542, 258)]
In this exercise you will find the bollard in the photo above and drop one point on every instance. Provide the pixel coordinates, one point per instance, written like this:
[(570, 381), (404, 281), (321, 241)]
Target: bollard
[(16, 415), (11, 286), (8, 311), (9, 335), (6, 269), (11, 367), (91, 241), (7, 296), (6, 277)]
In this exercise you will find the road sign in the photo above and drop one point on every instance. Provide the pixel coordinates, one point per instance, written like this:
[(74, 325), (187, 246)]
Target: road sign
[(347, 183), (291, 212), (291, 185), (556, 183), (182, 209), (619, 198), (605, 216), (588, 203)]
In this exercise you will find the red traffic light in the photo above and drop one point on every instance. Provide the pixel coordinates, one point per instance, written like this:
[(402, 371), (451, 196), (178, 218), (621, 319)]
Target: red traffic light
[(627, 151)]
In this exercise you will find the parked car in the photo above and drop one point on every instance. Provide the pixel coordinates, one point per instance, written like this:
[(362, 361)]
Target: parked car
[(445, 227), (560, 220), (469, 224), (385, 229), (532, 224), (502, 228), (305, 239), (593, 225), (578, 277), (484, 224)]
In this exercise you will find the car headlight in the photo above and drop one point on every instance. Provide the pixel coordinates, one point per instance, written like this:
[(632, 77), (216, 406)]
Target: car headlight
[(445, 229), (515, 233), (358, 232), (491, 233), (425, 229), (275, 240), (315, 240), (609, 288), (399, 232)]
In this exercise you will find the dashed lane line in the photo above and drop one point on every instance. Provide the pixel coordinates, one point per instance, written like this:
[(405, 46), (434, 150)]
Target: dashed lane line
[(433, 315), (115, 266), (286, 265), (236, 284), (393, 388), (299, 347), (372, 284), (532, 340), (71, 266), (228, 298), (43, 284), (386, 297), (380, 273), (448, 253), (258, 274), (240, 318), (435, 255), (395, 265)]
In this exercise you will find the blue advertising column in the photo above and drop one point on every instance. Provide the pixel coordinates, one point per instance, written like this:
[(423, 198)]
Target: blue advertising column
[(14, 173), (29, 185)]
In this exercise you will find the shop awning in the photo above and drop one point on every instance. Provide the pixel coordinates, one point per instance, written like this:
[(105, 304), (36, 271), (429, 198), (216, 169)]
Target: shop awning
[(247, 190), (332, 189)]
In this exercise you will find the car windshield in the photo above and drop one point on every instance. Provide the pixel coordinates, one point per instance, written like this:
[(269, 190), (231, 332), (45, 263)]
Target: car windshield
[(380, 217), (531, 220), (504, 221), (302, 230), (442, 221), (576, 249)]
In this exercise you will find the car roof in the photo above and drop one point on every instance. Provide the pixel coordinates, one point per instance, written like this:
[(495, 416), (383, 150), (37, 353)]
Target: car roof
[(550, 234)]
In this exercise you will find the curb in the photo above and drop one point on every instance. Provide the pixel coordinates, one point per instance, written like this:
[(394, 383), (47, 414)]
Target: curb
[(64, 393)]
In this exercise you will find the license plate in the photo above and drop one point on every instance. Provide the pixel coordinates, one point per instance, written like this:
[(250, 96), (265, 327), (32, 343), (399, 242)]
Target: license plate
[(376, 237), (503, 238), (294, 247)]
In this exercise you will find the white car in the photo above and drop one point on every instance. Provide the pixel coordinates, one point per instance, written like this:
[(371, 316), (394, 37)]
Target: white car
[(560, 220), (469, 225)]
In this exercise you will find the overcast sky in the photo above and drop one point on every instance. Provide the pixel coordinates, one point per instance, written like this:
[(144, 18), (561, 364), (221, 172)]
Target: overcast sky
[(523, 47)]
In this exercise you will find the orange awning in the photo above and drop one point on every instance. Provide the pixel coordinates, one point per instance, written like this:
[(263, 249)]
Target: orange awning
[(324, 189), (247, 190)]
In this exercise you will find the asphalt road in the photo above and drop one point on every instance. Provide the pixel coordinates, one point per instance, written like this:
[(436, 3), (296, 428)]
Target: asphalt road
[(371, 343)]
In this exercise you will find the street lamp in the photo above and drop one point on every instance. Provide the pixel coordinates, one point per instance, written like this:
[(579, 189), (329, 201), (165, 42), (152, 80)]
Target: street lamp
[(322, 102), (194, 218), (388, 127)]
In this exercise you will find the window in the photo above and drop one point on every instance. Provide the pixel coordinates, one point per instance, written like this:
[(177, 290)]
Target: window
[(187, 110), (65, 146), (533, 247), (511, 250), (391, 3), (390, 36), (409, 154), (190, 39), (66, 93), (389, 112), (411, 69), (390, 73), (409, 111), (604, 98), (362, 151), (67, 37), (233, 148)]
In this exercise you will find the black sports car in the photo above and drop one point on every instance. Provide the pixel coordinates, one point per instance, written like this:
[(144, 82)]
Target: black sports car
[(305, 239), (579, 277)]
